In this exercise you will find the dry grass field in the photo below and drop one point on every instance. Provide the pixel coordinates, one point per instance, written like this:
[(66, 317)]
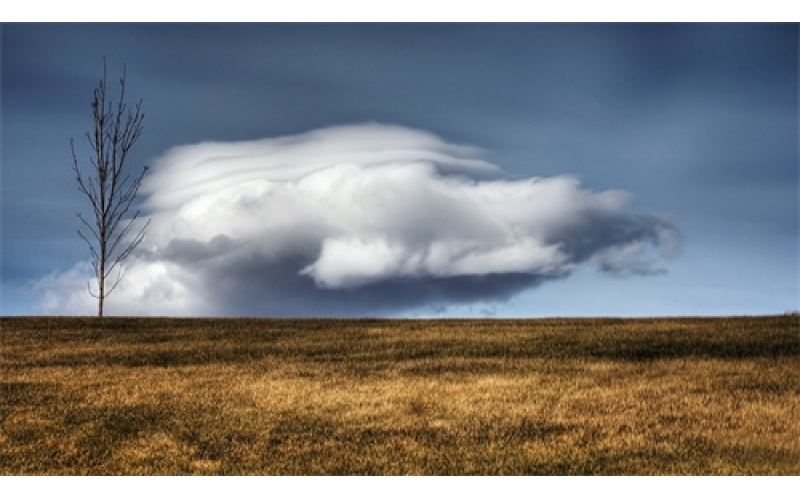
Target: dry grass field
[(561, 396)]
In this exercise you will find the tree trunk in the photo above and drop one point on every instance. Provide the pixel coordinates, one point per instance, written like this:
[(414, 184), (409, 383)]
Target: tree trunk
[(100, 301)]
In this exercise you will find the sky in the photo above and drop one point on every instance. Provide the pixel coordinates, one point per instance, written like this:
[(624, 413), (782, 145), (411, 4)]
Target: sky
[(414, 170)]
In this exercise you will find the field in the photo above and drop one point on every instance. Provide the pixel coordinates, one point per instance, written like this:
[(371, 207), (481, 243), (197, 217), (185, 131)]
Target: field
[(700, 396)]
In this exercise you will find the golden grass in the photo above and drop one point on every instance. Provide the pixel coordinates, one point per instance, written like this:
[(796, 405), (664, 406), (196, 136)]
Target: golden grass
[(562, 396)]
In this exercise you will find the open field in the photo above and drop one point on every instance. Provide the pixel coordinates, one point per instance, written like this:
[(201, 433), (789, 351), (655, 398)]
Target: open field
[(560, 396)]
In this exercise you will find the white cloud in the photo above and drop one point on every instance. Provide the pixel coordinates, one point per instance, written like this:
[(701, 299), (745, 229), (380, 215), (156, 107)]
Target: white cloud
[(147, 289), (359, 219)]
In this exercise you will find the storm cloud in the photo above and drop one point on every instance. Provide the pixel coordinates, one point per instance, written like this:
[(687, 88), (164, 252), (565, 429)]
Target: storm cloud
[(355, 220)]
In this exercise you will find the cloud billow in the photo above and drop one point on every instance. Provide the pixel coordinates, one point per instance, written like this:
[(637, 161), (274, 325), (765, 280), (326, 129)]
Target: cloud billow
[(363, 220)]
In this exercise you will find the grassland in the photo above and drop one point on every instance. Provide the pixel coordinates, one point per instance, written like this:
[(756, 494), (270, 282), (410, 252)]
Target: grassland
[(605, 396)]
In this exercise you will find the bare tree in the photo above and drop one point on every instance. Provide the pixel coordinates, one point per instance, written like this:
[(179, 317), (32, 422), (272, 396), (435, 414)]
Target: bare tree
[(109, 187)]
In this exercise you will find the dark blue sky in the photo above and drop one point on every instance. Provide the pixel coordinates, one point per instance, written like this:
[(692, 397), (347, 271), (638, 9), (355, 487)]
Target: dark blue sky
[(697, 122)]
